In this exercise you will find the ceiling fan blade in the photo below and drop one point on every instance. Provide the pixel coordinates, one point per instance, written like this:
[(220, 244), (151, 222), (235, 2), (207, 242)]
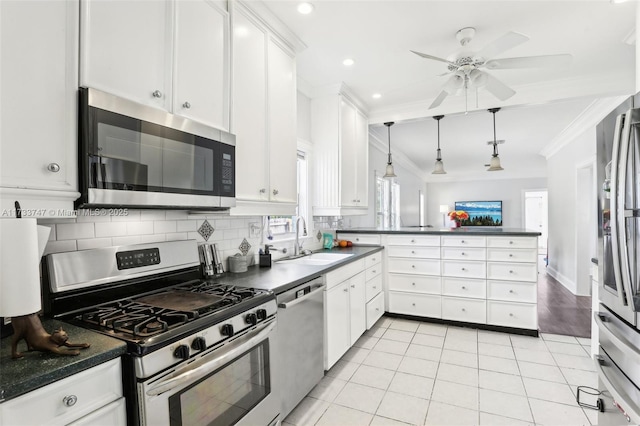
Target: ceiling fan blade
[(530, 62), (435, 58), (437, 101), (498, 88), (502, 44)]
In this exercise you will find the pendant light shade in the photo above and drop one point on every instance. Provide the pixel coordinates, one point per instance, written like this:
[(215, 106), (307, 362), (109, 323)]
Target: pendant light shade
[(438, 169), (389, 172), (494, 163)]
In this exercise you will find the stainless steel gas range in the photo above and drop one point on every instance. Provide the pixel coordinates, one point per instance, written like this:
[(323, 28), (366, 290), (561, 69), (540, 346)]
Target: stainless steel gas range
[(198, 351)]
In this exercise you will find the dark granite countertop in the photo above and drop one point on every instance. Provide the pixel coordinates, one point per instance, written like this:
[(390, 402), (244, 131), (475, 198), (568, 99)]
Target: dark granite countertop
[(466, 230), (283, 276), (37, 369)]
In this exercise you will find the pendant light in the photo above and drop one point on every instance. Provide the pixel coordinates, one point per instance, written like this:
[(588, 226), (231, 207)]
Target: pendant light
[(389, 173), (439, 166), (494, 164)]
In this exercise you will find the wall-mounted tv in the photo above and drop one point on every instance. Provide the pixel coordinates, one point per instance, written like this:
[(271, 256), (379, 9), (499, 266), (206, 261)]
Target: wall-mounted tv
[(481, 213)]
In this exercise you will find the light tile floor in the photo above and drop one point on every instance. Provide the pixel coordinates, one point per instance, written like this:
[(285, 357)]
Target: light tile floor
[(407, 372)]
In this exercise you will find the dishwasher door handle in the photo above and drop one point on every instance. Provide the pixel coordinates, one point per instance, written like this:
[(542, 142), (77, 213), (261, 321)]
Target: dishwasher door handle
[(294, 302)]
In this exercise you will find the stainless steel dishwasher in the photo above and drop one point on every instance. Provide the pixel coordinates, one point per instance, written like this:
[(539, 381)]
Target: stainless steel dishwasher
[(299, 341)]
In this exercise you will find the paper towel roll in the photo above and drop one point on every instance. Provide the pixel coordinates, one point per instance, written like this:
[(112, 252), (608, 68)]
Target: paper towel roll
[(19, 267)]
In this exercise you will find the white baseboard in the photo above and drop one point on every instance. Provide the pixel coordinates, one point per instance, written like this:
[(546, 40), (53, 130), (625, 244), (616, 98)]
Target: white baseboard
[(562, 279)]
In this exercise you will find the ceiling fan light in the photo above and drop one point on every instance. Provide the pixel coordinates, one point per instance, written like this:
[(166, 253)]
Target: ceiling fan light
[(439, 168), (478, 78), (494, 164)]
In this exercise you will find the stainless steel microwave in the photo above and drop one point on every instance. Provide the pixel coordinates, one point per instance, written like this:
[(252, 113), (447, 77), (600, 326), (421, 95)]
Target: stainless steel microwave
[(132, 155)]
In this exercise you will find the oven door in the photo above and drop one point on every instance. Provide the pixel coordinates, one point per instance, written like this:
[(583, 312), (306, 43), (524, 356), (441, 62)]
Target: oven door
[(228, 384)]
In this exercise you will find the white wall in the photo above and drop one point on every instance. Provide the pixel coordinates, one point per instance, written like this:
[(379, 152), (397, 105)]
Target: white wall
[(304, 117), (509, 191), (563, 189)]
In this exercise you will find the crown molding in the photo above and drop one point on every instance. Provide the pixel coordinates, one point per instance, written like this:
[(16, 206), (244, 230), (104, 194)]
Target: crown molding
[(342, 90), (589, 118)]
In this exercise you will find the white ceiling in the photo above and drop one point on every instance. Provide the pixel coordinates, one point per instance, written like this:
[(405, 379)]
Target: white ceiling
[(379, 34)]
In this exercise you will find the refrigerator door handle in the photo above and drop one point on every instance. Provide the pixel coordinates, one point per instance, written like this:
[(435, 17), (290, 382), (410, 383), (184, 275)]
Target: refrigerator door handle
[(616, 211), (621, 204)]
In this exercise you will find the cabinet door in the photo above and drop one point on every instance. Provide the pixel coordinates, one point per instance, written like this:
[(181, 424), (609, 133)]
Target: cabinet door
[(348, 158), (282, 124), (337, 323), (362, 159), (249, 119), (126, 49), (201, 77), (38, 87), (357, 307)]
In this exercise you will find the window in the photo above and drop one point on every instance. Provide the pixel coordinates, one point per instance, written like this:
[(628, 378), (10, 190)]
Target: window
[(387, 202), (283, 227)]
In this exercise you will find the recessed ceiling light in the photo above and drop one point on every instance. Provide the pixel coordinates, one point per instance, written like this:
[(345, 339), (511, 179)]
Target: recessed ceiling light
[(305, 8), (376, 96), (348, 62)]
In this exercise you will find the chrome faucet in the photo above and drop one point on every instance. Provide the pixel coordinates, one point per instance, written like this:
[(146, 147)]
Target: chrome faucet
[(297, 248)]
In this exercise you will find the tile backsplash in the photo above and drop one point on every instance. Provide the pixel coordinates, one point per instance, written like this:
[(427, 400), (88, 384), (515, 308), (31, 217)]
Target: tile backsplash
[(98, 228)]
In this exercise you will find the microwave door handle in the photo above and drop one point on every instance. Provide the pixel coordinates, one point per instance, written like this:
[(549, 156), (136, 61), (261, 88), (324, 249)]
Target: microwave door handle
[(206, 366), (615, 199), (622, 213)]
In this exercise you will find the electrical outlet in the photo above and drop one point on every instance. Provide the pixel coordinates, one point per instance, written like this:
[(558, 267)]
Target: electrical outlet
[(255, 229)]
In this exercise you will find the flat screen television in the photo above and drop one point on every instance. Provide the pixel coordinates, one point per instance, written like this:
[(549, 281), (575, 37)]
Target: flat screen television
[(481, 213)]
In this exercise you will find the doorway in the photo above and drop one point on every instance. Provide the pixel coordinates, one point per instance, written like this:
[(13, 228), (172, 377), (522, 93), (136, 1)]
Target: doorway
[(535, 217), (585, 226)]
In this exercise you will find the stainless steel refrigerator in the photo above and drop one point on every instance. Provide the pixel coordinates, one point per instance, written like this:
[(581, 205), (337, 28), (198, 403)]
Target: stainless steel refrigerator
[(618, 318)]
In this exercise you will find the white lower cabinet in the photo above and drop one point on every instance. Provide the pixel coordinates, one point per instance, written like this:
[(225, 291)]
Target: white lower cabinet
[(415, 283), (375, 309), (357, 307), (462, 287), (337, 340), (422, 305), (511, 314), (83, 398), (466, 310)]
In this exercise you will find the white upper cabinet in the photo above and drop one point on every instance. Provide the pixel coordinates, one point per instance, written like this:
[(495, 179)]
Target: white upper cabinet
[(126, 49), (264, 115), (172, 55), (201, 79), (38, 93), (340, 135)]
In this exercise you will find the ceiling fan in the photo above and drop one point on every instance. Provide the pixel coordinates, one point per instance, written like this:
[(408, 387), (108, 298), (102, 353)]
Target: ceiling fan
[(468, 68)]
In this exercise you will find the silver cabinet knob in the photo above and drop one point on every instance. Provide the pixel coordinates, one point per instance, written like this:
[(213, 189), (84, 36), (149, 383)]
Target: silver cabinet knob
[(186, 105), (263, 190), (510, 242), (373, 272), (53, 167), (510, 255), (373, 259), (413, 266), (70, 400), (464, 310), (464, 288), (413, 241), (510, 314), (354, 201), (510, 291), (511, 272), (377, 309), (463, 269), (353, 286), (374, 287), (345, 290), (413, 304), (463, 254), (357, 239), (461, 241), (413, 283), (275, 192), (157, 94), (413, 252), (358, 201)]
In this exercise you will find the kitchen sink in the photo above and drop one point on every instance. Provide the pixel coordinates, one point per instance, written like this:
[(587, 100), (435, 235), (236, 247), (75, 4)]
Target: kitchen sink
[(316, 259)]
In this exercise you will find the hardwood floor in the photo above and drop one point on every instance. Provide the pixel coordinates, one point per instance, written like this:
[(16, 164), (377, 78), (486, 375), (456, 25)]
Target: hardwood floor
[(559, 310)]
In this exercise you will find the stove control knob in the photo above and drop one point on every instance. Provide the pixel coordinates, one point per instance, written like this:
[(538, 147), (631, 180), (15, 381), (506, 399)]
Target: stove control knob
[(227, 330), (199, 344), (251, 319), (181, 352), (262, 314)]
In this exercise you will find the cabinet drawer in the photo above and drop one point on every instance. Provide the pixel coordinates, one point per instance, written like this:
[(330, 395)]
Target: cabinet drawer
[(113, 414), (512, 271), (422, 305), (414, 252), (467, 310), (511, 314), (361, 239), (513, 242), (414, 266), (512, 291), (464, 253), (463, 241), (374, 259), (373, 271), (413, 240), (512, 255), (463, 269), (461, 287), (421, 284), (344, 273), (373, 286), (375, 309), (94, 388)]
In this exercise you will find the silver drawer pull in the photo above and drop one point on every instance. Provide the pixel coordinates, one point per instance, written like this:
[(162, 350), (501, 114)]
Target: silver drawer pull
[(373, 272), (510, 291), (70, 400), (275, 192), (510, 242), (510, 255), (464, 310), (345, 290), (413, 252), (413, 283), (375, 287), (53, 167), (186, 105), (462, 253), (353, 286), (413, 266), (413, 304), (355, 201), (357, 239), (511, 272), (263, 190), (157, 94), (373, 259), (377, 309), (461, 241), (463, 269), (510, 314), (464, 288), (413, 241)]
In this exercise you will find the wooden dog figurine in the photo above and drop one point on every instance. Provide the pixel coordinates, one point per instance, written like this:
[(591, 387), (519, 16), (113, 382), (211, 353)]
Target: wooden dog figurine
[(30, 329)]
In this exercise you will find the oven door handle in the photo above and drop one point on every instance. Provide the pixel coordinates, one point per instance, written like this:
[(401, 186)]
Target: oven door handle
[(231, 350)]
